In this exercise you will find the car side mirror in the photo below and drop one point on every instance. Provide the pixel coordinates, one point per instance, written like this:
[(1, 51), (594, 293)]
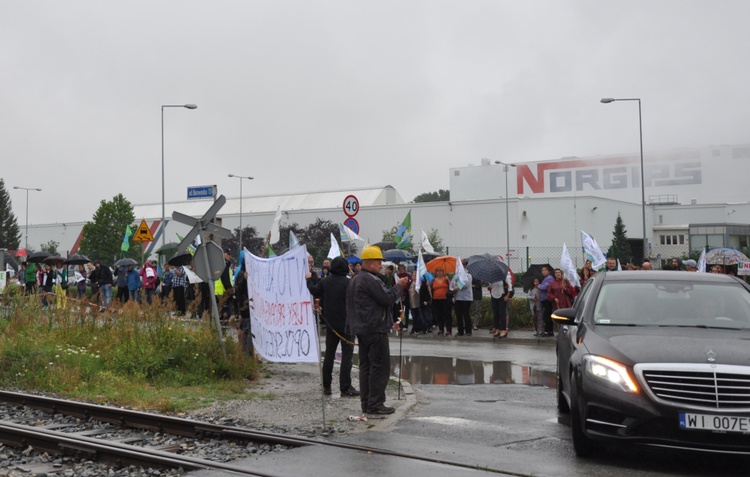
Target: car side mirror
[(565, 316)]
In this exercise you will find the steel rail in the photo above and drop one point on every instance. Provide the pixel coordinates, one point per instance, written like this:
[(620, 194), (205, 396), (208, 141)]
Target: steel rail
[(190, 428)]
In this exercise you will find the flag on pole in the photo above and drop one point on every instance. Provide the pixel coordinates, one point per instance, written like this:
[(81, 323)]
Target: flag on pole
[(405, 227), (190, 248), (566, 265), (347, 234), (335, 250), (702, 262), (275, 234), (293, 242), (126, 239), (421, 271), (461, 276), (592, 251), (269, 251), (426, 245)]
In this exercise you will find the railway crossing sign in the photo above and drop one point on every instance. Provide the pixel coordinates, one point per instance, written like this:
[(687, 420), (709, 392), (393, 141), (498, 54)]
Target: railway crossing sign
[(208, 259)]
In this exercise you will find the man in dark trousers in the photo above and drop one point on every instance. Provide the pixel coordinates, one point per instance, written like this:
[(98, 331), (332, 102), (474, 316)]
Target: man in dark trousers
[(332, 291), (369, 309)]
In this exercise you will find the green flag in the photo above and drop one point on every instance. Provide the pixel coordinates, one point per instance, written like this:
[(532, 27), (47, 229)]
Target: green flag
[(405, 227), (270, 253), (126, 239)]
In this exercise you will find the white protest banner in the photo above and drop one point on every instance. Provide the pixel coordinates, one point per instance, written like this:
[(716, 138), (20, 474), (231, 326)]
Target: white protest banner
[(281, 313)]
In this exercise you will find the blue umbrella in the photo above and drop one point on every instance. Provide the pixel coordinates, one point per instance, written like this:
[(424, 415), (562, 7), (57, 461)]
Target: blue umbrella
[(353, 260), (487, 267)]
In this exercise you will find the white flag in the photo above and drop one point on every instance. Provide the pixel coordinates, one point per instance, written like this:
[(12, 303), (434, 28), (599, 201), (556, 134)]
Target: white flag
[(421, 271), (593, 252), (293, 241), (702, 262), (569, 270), (426, 245), (334, 251), (275, 234), (461, 277), (347, 234)]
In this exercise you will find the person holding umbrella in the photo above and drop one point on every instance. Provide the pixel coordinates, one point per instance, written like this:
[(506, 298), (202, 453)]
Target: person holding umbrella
[(104, 279)]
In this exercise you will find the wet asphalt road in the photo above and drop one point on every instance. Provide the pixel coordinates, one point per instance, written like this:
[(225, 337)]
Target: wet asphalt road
[(506, 423)]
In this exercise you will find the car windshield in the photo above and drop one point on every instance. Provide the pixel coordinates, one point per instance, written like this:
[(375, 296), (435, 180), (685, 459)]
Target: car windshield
[(665, 303)]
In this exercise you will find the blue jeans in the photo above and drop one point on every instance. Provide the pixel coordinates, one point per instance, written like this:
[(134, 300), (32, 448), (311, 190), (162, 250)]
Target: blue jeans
[(106, 291)]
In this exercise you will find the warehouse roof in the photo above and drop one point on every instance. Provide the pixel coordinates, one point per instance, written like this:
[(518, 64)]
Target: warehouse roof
[(302, 201)]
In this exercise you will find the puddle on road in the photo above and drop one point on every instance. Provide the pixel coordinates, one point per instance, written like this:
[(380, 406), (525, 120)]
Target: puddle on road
[(434, 370)]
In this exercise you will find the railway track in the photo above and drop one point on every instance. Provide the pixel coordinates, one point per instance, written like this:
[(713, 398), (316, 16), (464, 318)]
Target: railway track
[(91, 432)]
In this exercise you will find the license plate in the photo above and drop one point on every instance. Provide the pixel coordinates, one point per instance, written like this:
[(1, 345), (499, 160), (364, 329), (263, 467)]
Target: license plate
[(713, 422)]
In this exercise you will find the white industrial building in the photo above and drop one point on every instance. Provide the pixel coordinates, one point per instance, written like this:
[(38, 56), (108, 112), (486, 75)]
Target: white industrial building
[(694, 198)]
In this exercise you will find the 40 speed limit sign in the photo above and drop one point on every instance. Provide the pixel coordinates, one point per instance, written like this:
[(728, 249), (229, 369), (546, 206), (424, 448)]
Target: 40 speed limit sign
[(351, 206)]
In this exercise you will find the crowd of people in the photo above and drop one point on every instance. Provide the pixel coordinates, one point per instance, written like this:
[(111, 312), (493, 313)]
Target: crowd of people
[(100, 284), (553, 290)]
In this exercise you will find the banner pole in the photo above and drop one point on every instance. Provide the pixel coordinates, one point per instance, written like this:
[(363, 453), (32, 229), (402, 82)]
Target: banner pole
[(400, 347), (320, 366)]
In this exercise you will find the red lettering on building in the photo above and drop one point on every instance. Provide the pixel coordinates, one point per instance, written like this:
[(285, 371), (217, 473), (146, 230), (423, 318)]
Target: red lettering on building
[(537, 183)]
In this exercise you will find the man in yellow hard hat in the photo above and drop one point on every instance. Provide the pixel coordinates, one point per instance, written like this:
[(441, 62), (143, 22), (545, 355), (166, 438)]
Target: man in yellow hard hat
[(369, 310)]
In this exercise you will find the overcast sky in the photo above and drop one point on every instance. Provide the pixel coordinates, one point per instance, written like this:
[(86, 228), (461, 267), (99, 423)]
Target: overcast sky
[(312, 95)]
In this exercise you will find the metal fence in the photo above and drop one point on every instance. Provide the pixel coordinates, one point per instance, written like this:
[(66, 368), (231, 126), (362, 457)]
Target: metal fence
[(522, 257)]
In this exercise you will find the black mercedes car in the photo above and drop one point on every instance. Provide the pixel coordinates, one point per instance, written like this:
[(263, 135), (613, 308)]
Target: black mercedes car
[(657, 358)]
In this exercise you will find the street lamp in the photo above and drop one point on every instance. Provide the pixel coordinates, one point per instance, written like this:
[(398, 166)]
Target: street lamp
[(163, 223), (507, 214), (27, 189), (240, 178), (643, 183)]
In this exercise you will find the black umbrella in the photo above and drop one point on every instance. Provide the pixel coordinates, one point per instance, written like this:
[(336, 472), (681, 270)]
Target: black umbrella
[(9, 260), (383, 246), (124, 262), (487, 267), (53, 259), (397, 255), (534, 271), (429, 256), (180, 259), (168, 248), (77, 260), (37, 257)]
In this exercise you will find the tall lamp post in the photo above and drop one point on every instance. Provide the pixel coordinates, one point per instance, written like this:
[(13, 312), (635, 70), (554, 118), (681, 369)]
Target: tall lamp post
[(240, 178), (163, 223), (643, 183), (27, 189), (507, 214)]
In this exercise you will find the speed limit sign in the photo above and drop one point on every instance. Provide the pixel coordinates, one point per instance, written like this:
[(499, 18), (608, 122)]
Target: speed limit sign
[(351, 206)]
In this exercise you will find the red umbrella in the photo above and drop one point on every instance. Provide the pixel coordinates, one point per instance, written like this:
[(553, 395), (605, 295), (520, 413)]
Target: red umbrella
[(21, 252)]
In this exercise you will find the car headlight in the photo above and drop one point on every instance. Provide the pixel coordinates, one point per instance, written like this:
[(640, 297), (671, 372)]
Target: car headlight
[(608, 372)]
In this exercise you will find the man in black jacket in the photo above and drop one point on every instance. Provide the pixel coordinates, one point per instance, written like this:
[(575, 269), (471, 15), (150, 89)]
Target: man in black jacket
[(369, 308), (332, 291)]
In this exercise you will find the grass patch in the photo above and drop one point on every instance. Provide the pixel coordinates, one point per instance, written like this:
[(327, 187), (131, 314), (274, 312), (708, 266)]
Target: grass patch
[(135, 356)]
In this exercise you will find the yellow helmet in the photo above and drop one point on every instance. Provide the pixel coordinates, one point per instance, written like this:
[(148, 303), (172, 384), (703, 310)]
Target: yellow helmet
[(372, 253)]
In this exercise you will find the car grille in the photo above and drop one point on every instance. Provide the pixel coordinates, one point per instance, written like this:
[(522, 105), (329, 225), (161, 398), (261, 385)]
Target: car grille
[(711, 388)]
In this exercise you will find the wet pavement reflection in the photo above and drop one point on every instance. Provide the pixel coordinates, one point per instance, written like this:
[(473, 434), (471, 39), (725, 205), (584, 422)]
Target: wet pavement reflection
[(446, 370)]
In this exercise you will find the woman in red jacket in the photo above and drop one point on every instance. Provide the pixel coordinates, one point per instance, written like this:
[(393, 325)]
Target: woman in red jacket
[(560, 293)]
